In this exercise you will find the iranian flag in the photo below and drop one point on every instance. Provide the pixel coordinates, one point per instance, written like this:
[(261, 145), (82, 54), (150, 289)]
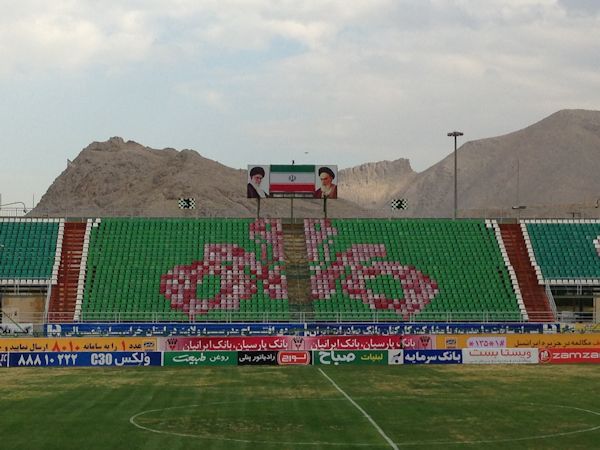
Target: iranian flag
[(292, 178)]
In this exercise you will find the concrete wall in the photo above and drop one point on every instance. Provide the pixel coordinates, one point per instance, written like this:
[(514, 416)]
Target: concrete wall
[(27, 308)]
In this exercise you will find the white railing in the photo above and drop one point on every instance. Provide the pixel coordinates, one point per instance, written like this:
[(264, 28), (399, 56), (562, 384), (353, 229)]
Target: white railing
[(303, 317), (266, 317), (12, 212), (577, 317), (551, 301)]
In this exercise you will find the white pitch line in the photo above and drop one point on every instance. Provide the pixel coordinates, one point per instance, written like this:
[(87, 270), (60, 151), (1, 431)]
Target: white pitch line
[(369, 418), (133, 421)]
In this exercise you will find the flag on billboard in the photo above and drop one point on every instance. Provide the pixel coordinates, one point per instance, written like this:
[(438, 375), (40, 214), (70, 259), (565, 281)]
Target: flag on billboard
[(292, 181), (292, 178)]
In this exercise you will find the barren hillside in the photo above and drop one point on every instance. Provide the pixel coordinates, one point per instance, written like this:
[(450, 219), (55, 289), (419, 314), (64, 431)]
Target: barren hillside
[(549, 168), (118, 178)]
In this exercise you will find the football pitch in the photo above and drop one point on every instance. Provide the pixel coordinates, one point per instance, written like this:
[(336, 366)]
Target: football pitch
[(554, 407)]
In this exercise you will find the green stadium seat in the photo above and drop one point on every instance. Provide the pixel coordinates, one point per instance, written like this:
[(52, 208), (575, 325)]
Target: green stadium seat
[(29, 250), (565, 251), (407, 269), (177, 269)]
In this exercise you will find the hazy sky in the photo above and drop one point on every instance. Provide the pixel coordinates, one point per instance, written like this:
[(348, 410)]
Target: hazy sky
[(264, 81)]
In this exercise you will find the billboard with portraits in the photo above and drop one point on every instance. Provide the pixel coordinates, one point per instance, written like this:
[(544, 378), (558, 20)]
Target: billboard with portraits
[(258, 181), (292, 181), (326, 182)]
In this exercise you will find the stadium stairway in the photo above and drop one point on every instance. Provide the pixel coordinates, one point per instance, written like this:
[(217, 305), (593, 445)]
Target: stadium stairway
[(298, 275), (63, 297), (534, 296)]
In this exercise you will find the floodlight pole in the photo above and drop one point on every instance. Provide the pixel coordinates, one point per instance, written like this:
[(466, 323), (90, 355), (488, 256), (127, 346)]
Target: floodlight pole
[(15, 203), (455, 135), (519, 208), (325, 206)]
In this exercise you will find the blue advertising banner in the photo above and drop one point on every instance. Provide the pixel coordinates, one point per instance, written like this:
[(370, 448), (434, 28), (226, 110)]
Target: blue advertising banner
[(84, 359), (3, 359), (301, 329), (173, 329), (328, 329), (432, 356)]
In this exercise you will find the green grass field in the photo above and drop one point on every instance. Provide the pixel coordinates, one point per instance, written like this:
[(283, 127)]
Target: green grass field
[(556, 407)]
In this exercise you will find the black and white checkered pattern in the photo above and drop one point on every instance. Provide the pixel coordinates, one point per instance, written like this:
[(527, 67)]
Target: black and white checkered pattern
[(187, 203), (399, 203)]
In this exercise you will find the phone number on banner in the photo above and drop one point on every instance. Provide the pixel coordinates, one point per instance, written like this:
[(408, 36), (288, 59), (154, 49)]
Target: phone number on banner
[(84, 359)]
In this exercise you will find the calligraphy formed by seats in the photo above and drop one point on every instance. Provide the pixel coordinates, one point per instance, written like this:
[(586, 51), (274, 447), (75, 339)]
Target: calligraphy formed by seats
[(178, 269), (408, 269)]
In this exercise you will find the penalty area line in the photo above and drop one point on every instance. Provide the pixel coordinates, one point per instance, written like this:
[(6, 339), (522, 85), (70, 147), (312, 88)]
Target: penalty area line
[(364, 413)]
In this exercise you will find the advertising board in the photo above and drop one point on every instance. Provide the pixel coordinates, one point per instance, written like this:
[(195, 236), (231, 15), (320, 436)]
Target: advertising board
[(264, 358), (500, 356), (16, 328), (293, 358), (200, 359), (344, 357), (3, 359), (419, 342), (570, 340), (236, 343), (421, 328), (459, 341), (84, 359), (432, 356), (292, 328), (395, 357), (264, 343), (82, 344), (569, 355), (354, 342)]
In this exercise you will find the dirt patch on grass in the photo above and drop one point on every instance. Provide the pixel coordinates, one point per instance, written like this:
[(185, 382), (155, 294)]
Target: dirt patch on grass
[(291, 392), (24, 394), (31, 375), (28, 383)]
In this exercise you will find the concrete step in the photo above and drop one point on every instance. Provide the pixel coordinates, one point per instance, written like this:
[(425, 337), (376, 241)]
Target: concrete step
[(534, 296), (297, 271)]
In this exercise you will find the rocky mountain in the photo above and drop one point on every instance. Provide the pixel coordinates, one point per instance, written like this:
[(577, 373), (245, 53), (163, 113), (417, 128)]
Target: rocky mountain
[(549, 169), (118, 178), (372, 185)]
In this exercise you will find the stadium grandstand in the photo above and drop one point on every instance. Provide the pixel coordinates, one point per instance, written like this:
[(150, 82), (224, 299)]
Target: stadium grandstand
[(223, 270)]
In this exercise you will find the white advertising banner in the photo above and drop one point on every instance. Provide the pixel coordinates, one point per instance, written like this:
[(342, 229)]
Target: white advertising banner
[(486, 342), (395, 357), (16, 328), (500, 356)]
